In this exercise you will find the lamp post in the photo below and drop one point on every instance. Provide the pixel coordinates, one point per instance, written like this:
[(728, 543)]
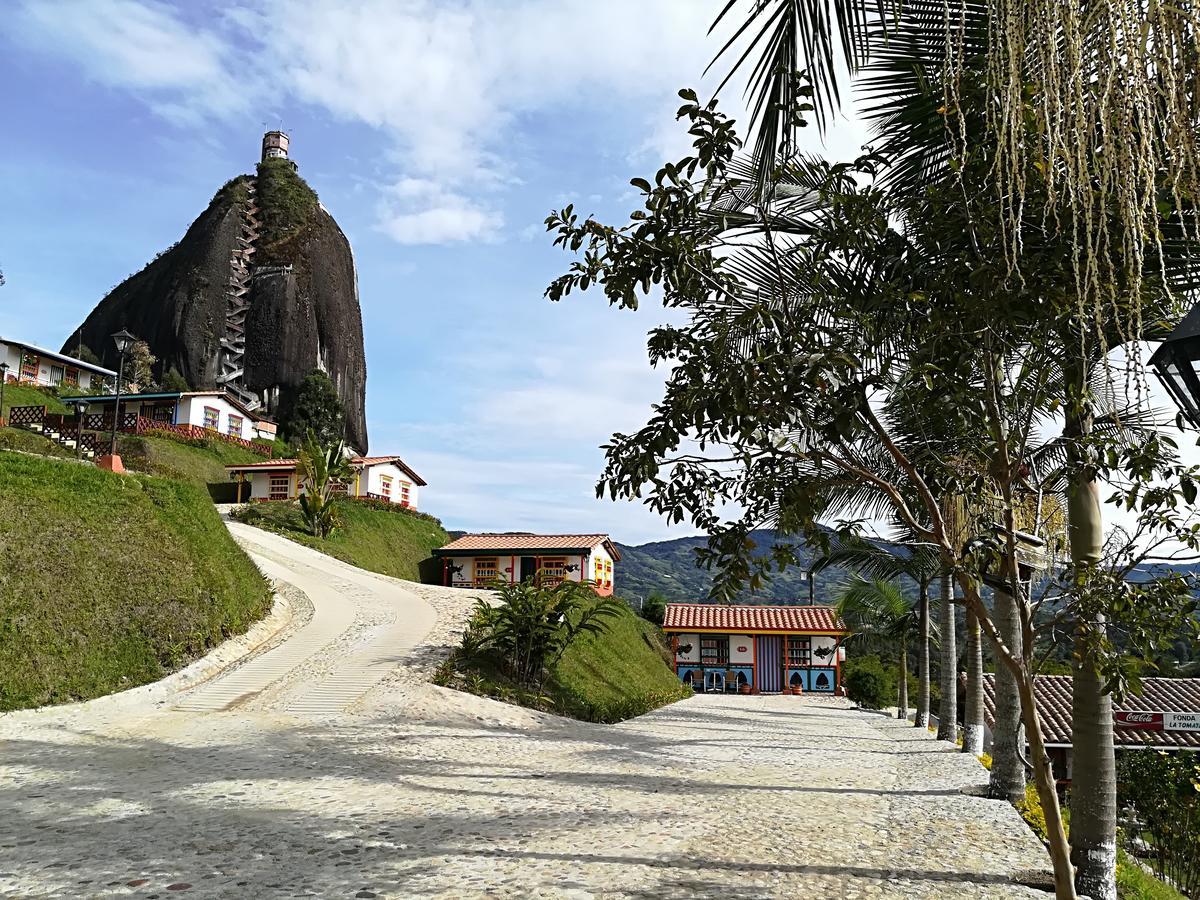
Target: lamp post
[(81, 407), (124, 340), (3, 378), (1177, 364)]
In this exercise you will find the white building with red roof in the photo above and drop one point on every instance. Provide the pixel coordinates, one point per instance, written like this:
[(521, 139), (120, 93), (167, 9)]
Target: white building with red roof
[(757, 649), (375, 478), (482, 560)]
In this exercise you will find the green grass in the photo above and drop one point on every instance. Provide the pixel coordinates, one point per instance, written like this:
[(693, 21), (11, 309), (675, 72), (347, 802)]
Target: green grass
[(177, 459), (601, 678), (25, 395), (391, 542), (28, 442), (1135, 883), (110, 581)]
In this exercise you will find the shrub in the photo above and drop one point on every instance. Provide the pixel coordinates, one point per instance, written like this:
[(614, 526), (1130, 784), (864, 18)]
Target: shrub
[(532, 626), (1163, 791), (1030, 808), (868, 683), (654, 609)]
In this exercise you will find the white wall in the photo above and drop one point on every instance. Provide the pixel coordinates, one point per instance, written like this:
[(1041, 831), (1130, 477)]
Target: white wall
[(741, 640), (371, 481), (600, 557), (683, 641), (191, 412)]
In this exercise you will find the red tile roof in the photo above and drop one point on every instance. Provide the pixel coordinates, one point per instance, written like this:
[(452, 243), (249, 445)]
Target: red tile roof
[(1053, 696), (720, 617), (513, 541), (356, 461)]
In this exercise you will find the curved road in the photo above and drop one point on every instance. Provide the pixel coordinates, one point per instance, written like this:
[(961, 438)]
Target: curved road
[(328, 767)]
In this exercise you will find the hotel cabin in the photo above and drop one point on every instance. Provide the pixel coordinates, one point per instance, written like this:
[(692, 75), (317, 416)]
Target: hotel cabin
[(480, 560), (29, 364), (765, 649), (186, 412), (375, 478)]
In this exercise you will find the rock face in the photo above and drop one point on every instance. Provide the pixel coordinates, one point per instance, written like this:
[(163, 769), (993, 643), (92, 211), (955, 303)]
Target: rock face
[(302, 296)]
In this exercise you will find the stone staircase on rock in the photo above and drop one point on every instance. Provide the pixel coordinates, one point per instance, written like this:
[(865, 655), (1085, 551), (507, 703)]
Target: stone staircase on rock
[(232, 363)]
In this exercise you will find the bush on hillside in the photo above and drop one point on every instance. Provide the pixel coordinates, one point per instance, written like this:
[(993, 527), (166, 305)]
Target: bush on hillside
[(654, 608), (869, 683)]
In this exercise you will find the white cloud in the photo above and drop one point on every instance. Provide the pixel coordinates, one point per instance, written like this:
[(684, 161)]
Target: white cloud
[(421, 211), (184, 75), (445, 82)]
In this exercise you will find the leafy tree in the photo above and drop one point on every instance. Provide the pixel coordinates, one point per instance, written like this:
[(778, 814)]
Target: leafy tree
[(84, 353), (868, 683), (531, 626), (316, 408), (879, 615), (816, 328), (921, 564), (174, 381), (654, 608), (320, 469), (139, 366), (1163, 792)]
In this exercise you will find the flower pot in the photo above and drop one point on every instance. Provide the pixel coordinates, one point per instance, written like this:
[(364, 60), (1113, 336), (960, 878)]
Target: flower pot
[(744, 689), (797, 690)]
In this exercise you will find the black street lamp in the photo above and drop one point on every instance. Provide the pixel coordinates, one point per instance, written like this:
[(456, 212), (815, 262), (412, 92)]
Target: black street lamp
[(124, 340), (1177, 364), (3, 378), (81, 407)]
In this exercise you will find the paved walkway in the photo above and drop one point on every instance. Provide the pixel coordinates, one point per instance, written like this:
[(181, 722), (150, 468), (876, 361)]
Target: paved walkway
[(334, 770)]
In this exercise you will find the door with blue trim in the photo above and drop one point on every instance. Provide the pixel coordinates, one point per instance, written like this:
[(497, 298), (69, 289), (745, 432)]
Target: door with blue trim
[(770, 663)]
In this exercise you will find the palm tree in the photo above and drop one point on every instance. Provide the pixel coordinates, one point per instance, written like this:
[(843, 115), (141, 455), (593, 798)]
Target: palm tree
[(973, 721), (879, 616), (920, 563)]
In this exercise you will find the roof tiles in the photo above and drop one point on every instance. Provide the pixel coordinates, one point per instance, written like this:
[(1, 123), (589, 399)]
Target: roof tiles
[(720, 617), (1053, 696), (505, 543)]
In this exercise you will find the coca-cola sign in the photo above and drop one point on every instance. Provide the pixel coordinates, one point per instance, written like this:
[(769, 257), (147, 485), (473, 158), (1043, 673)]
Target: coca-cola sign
[(1146, 721)]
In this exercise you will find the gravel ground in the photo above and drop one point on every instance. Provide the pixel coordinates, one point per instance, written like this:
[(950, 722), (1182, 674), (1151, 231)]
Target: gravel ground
[(417, 791)]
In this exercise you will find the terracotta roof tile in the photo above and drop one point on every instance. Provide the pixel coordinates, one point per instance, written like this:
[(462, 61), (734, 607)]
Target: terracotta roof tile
[(504, 543), (682, 616), (356, 461), (1053, 696)]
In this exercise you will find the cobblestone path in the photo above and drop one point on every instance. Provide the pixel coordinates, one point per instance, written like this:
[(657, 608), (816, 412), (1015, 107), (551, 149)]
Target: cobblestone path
[(416, 791)]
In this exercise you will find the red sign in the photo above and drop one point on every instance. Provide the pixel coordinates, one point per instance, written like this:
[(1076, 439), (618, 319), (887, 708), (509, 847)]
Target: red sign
[(742, 649), (1143, 721)]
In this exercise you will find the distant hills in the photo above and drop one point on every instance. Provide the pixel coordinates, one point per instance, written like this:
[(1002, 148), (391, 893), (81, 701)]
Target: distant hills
[(669, 567)]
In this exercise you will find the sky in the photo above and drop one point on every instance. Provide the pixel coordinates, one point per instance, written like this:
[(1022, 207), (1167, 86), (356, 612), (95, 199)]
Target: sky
[(439, 135)]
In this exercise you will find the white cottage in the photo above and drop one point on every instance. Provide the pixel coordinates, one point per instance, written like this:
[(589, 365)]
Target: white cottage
[(26, 363), (192, 413), (480, 560), (375, 478)]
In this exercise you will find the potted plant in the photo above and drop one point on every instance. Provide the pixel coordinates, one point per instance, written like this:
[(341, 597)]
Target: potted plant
[(744, 687)]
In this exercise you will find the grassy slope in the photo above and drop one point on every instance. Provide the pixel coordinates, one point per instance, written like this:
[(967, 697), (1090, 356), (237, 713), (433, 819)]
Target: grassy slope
[(24, 395), (622, 673), (110, 581), (392, 543), (175, 459), (27, 441)]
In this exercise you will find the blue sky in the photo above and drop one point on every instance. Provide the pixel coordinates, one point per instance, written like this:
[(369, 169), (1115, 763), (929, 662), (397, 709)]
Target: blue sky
[(439, 134)]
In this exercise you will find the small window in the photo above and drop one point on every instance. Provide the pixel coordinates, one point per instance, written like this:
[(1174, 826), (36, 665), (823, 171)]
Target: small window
[(554, 569), (71, 378), (799, 651), (212, 418), (57, 374), (405, 494), (29, 367), (385, 486), (235, 425), (281, 487), (487, 568), (714, 651)]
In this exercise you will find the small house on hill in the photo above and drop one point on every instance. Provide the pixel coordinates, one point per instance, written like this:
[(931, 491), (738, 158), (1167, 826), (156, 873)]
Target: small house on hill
[(29, 364), (1165, 717), (191, 413), (757, 649), (375, 478), (480, 560)]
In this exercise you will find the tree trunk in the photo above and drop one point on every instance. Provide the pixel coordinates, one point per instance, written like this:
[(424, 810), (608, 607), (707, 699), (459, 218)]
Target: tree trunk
[(1094, 780), (921, 719), (973, 723), (948, 665), (1061, 854), (1008, 739), (902, 707)]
